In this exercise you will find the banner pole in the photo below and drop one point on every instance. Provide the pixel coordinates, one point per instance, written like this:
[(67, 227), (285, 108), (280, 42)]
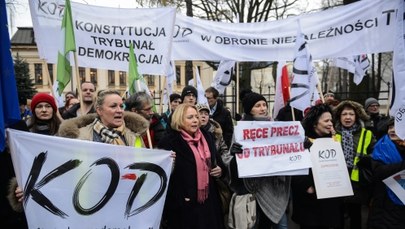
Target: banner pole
[(79, 85), (47, 75), (318, 86), (138, 84), (161, 95), (237, 87)]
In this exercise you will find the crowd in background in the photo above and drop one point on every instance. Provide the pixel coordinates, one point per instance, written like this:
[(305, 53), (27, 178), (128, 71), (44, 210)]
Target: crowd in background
[(205, 191)]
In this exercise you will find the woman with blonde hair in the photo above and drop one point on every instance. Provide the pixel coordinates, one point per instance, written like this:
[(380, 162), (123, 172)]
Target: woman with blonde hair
[(110, 124), (192, 198)]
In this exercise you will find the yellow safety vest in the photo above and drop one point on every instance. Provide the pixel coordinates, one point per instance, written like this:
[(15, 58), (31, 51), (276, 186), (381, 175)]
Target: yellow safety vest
[(138, 142), (362, 146)]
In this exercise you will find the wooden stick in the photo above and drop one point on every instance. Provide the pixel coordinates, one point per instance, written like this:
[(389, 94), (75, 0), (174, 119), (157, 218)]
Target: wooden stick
[(237, 87), (79, 85), (138, 84), (318, 86), (47, 75)]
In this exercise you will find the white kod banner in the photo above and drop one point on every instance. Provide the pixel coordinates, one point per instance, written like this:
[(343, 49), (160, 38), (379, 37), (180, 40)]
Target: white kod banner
[(329, 169), (81, 184), (359, 28), (270, 148), (103, 35)]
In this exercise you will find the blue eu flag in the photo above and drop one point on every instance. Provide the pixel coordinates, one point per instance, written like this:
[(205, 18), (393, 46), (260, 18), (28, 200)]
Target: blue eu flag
[(9, 110)]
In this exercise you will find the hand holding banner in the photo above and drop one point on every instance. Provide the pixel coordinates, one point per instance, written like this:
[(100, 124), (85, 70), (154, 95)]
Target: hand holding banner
[(329, 169), (71, 183), (270, 148)]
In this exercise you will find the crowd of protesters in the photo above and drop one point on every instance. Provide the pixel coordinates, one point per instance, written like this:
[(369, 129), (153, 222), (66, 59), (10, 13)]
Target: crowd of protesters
[(205, 191)]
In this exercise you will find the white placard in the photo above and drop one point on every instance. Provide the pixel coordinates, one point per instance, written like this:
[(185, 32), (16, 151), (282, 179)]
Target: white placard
[(329, 169), (400, 123), (71, 183), (271, 148), (396, 183)]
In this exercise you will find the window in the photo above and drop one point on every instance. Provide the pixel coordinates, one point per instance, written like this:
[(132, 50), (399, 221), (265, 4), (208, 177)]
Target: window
[(111, 77), (123, 78), (82, 74), (38, 73), (93, 76), (178, 75), (50, 70), (150, 80)]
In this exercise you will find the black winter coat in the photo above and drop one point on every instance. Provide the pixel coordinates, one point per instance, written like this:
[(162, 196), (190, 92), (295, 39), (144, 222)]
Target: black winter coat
[(181, 214), (383, 213), (310, 211), (224, 118)]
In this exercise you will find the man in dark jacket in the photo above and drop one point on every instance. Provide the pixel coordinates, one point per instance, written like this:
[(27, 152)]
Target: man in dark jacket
[(372, 107), (88, 99), (142, 104), (220, 114)]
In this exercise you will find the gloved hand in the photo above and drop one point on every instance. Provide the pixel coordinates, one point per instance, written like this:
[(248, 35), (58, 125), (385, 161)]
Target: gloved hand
[(236, 148)]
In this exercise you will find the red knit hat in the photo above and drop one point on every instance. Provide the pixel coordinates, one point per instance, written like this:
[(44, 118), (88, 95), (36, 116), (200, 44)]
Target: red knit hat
[(43, 97)]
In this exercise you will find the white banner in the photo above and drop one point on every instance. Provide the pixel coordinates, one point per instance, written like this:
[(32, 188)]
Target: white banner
[(358, 65), (271, 148), (362, 27), (398, 62), (329, 169), (400, 122), (103, 35), (71, 183), (305, 79)]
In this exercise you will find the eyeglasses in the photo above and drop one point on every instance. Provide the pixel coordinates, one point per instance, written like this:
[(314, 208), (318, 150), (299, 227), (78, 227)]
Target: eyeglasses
[(148, 109), (374, 105)]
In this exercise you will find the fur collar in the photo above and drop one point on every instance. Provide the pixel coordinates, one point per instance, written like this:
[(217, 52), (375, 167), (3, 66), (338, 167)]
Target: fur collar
[(71, 128)]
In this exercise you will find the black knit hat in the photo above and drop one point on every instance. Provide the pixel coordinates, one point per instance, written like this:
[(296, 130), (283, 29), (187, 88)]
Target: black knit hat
[(250, 100), (187, 90), (174, 96)]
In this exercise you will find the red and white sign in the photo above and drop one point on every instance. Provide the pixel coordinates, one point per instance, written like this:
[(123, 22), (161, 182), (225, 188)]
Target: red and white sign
[(271, 148)]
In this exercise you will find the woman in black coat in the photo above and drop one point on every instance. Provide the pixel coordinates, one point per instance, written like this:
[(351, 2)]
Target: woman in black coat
[(192, 200), (308, 211)]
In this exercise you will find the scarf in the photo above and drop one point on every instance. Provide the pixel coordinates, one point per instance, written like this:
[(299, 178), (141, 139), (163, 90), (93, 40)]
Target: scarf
[(202, 156), (110, 136), (348, 144), (385, 151)]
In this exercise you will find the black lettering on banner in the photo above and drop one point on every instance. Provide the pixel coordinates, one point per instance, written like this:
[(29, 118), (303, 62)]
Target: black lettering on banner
[(138, 184), (115, 176), (32, 189), (388, 12), (327, 154), (399, 115)]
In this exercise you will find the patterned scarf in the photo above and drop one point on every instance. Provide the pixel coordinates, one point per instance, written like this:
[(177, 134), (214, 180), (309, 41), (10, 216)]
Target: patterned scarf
[(348, 144), (202, 156), (109, 136)]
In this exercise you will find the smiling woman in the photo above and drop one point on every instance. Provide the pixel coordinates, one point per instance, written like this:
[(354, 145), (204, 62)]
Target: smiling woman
[(109, 125)]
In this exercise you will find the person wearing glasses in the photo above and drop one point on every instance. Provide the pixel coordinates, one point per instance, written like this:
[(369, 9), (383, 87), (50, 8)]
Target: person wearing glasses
[(189, 95), (220, 114), (372, 107), (175, 101), (142, 104)]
